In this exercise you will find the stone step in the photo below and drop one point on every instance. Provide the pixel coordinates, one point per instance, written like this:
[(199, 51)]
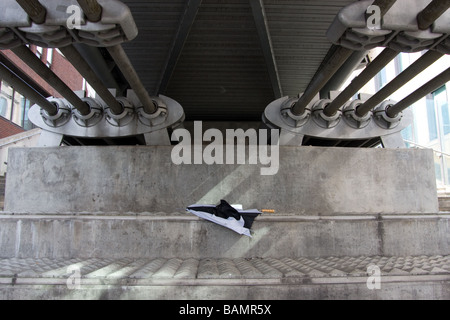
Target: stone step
[(184, 235), (401, 277)]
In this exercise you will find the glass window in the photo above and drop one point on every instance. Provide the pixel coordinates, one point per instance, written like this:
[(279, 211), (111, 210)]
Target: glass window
[(39, 52), (27, 124), (431, 117), (380, 79), (440, 99), (6, 95), (17, 110), (399, 63), (49, 57)]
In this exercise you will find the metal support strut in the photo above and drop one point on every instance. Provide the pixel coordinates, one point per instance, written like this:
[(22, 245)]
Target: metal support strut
[(413, 70), (34, 9), (40, 68), (358, 82), (74, 57), (435, 83), (431, 13), (124, 64), (85, 70), (330, 67), (26, 90), (93, 12), (91, 9)]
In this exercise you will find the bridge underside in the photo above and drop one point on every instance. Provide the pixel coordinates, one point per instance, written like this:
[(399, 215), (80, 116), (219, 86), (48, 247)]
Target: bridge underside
[(100, 205)]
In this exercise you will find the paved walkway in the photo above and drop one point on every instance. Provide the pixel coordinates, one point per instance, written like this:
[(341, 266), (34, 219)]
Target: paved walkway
[(409, 277), (241, 268)]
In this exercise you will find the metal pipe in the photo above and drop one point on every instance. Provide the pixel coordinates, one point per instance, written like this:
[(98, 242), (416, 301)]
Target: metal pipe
[(51, 78), (428, 87), (21, 86), (124, 64), (413, 70), (324, 74), (339, 78), (94, 58), (120, 57), (85, 70), (91, 9), (34, 9), (431, 13), (330, 67), (358, 82)]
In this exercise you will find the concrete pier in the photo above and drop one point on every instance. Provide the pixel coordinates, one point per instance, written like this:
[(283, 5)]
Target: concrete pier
[(117, 214), (309, 181)]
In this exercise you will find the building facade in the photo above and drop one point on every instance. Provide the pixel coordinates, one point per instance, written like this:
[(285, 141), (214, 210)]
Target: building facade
[(14, 106)]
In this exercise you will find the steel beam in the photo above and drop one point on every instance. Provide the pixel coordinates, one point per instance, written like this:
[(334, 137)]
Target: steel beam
[(330, 67), (400, 80), (358, 82), (51, 78), (91, 9), (124, 64), (431, 13), (98, 64), (176, 48), (322, 76), (34, 9), (262, 28), (17, 83), (343, 73), (85, 70), (428, 87), (93, 13)]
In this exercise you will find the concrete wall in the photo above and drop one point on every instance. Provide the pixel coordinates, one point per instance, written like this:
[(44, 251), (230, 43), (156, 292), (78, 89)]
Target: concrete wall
[(25, 139), (310, 181), (186, 236)]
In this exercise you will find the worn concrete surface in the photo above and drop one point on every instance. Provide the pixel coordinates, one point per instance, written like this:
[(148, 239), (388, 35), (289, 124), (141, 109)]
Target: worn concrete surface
[(310, 180), (399, 277), (186, 236), (117, 212)]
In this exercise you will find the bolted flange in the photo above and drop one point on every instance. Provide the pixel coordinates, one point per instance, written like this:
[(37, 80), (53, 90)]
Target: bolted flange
[(321, 119), (61, 117), (92, 118), (382, 119), (125, 117), (352, 119), (156, 118), (291, 119)]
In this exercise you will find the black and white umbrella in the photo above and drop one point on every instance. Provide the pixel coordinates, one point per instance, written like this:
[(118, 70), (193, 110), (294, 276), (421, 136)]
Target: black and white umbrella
[(226, 215)]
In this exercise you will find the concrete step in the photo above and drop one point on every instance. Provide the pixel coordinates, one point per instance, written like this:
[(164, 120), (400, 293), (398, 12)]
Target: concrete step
[(397, 277), (184, 235)]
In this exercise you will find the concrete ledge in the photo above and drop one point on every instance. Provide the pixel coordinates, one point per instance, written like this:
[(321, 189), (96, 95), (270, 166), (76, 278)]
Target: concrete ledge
[(409, 290), (186, 236), (400, 277), (310, 180)]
